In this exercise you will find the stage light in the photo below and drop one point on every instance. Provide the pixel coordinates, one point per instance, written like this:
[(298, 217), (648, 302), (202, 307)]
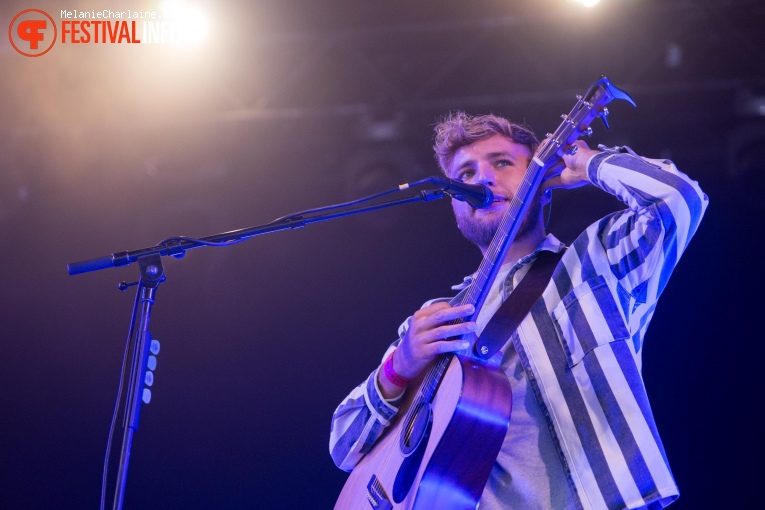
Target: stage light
[(749, 104), (588, 3), (190, 24)]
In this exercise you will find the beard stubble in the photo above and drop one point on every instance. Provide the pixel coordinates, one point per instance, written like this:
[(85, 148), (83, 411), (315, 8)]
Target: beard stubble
[(480, 231)]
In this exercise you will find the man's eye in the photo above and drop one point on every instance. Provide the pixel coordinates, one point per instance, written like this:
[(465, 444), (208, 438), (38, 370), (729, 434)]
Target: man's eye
[(465, 174), (503, 162)]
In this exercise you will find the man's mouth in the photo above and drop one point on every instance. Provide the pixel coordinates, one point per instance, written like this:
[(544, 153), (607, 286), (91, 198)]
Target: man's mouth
[(498, 199)]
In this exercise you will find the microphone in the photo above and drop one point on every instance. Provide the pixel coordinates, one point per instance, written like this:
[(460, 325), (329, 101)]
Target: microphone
[(477, 196)]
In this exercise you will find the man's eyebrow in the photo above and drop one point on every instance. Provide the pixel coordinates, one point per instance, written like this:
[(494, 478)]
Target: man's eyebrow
[(501, 154), (466, 163)]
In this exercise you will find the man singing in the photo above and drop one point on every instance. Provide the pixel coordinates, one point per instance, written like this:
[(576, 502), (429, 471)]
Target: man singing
[(581, 434)]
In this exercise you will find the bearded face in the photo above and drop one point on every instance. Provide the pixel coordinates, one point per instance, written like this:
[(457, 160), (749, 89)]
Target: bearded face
[(479, 229), (500, 164)]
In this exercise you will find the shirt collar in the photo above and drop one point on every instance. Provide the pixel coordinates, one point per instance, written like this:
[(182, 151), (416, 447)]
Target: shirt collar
[(549, 243)]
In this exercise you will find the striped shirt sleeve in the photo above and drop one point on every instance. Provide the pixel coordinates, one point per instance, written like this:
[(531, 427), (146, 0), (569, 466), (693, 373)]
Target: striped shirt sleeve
[(358, 421), (644, 243), (364, 414)]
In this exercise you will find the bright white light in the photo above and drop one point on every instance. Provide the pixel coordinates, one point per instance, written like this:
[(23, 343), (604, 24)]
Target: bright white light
[(588, 3), (190, 24), (193, 25)]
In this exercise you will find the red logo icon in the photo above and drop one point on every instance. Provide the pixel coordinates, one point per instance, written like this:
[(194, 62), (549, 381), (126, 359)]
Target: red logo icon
[(32, 32)]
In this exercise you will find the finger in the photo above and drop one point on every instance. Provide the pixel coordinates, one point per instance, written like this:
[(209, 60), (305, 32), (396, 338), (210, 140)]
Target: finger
[(449, 346), (581, 144), (579, 157), (430, 310), (450, 330), (448, 314)]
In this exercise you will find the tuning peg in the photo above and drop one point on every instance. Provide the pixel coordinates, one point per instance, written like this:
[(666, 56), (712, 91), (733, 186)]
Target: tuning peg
[(146, 397), (154, 347), (604, 117), (149, 378), (587, 131), (152, 363), (573, 149)]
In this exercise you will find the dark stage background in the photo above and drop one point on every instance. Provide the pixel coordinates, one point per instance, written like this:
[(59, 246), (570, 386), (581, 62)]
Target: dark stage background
[(287, 105)]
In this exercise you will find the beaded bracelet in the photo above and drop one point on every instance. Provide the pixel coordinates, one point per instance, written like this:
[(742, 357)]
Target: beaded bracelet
[(391, 375)]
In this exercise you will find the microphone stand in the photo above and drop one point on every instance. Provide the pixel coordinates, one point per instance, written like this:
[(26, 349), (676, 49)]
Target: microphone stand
[(152, 274)]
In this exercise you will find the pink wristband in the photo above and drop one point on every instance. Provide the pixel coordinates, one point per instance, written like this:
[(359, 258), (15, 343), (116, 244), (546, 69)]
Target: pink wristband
[(391, 375)]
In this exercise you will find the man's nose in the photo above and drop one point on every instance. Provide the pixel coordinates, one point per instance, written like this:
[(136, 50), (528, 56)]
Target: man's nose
[(486, 174)]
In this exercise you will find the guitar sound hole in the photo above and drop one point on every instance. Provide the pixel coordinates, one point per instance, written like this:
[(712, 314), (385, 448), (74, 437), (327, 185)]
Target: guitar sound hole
[(414, 441), (416, 428)]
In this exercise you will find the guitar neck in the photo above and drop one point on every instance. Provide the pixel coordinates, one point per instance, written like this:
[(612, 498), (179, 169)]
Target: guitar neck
[(489, 267), (503, 239)]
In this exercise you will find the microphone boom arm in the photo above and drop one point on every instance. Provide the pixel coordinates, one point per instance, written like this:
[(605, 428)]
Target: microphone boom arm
[(177, 246)]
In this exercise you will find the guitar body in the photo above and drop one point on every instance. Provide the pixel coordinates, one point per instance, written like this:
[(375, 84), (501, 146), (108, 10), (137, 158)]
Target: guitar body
[(441, 458)]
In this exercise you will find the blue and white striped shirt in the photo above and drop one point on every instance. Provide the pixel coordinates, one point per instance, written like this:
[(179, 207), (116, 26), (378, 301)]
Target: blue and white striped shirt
[(581, 344)]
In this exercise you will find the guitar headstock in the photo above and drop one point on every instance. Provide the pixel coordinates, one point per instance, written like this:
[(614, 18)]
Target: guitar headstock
[(577, 122)]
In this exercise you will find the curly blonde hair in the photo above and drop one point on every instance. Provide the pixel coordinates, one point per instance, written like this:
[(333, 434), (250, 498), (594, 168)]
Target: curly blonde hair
[(459, 129)]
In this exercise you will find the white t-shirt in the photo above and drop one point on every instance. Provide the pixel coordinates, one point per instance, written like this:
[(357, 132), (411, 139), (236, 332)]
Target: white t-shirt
[(527, 474)]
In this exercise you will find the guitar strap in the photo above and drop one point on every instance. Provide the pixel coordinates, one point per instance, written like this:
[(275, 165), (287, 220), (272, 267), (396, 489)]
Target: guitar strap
[(518, 304)]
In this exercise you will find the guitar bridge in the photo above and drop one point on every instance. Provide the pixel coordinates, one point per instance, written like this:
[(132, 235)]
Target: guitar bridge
[(376, 495)]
